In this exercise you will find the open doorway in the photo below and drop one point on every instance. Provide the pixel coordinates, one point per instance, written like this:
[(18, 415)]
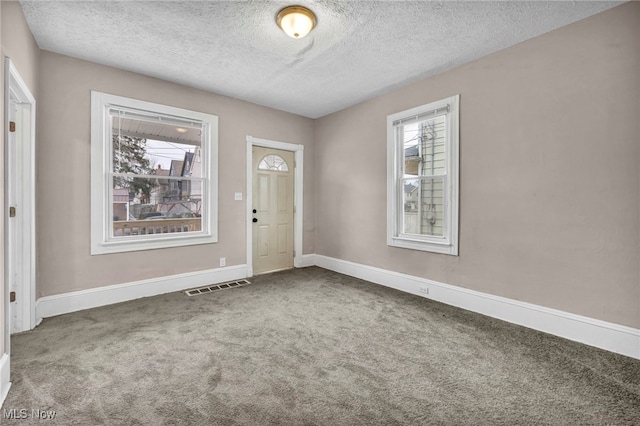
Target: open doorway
[(18, 307), (20, 111)]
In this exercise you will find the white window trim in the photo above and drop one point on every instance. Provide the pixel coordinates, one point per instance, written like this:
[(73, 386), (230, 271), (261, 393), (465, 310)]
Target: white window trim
[(100, 159), (448, 244)]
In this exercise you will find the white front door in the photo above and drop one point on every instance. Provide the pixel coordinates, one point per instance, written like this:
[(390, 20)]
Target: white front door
[(273, 200)]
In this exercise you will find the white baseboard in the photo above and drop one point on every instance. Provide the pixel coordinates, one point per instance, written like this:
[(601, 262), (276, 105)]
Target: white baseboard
[(5, 384), (601, 334), (58, 304), (609, 336), (305, 260)]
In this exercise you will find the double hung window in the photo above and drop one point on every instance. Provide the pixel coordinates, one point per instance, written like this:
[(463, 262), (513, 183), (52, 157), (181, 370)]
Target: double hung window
[(153, 175), (422, 177)]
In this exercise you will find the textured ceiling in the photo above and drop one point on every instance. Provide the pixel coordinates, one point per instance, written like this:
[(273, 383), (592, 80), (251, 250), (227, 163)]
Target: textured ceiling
[(359, 49)]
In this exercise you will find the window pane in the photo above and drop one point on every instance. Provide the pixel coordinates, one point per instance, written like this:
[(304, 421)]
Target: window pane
[(423, 206), (411, 158), (174, 159), (273, 162), (151, 205), (159, 153), (424, 147), (141, 146)]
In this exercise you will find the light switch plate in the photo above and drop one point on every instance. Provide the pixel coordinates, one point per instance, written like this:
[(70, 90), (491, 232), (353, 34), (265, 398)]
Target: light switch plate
[(238, 196)]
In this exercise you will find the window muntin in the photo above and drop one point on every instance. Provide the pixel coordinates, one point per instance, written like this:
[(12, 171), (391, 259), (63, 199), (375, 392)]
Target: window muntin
[(153, 175), (423, 177)]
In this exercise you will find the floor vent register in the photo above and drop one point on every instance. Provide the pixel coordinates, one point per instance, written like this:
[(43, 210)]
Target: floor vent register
[(216, 287)]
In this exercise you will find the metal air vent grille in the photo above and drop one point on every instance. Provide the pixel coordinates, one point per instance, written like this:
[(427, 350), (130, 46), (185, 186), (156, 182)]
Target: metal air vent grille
[(216, 287)]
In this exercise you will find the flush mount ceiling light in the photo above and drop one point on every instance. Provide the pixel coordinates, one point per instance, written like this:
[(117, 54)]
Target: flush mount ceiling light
[(296, 21)]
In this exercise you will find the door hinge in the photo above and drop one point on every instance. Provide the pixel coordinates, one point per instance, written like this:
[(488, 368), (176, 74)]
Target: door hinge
[(12, 126), (12, 296), (12, 212)]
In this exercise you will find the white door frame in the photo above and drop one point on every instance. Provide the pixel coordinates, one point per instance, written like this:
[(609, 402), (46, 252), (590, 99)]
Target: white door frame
[(298, 194), (17, 90)]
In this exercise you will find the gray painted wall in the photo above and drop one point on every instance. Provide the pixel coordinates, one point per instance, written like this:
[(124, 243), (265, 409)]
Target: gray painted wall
[(63, 187), (550, 184)]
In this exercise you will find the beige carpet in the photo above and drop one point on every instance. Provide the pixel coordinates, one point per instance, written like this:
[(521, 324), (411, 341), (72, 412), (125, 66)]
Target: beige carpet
[(311, 347)]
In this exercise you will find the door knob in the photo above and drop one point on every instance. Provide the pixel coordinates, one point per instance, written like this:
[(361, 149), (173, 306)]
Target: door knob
[(255, 211), (255, 220)]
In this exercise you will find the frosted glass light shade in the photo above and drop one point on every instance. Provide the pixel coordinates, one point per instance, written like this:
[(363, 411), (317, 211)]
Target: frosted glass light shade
[(296, 21)]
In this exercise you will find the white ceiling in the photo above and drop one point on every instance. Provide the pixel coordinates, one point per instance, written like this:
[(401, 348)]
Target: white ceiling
[(358, 50)]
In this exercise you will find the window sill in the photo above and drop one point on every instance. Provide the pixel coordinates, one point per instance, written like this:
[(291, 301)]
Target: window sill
[(434, 247), (151, 244)]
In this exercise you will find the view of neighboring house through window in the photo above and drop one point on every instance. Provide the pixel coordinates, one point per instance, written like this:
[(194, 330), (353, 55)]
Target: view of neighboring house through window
[(154, 167), (159, 179), (423, 177)]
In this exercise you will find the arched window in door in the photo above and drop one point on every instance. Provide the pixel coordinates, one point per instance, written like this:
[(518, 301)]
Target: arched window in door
[(273, 162)]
